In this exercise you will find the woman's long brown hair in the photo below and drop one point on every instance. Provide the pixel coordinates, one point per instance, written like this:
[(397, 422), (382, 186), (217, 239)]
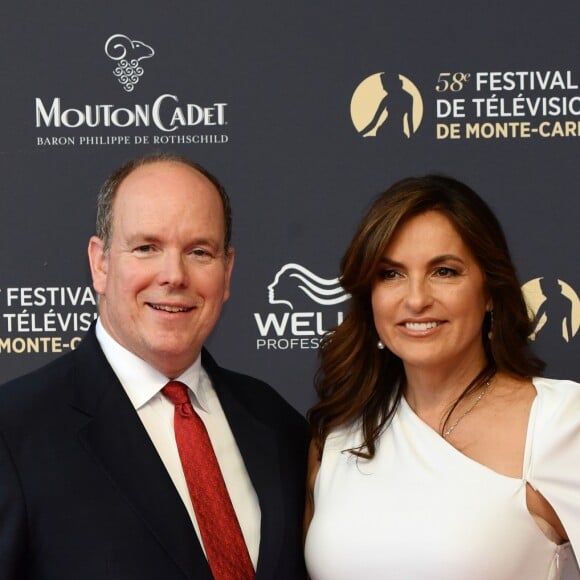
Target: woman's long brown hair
[(357, 381)]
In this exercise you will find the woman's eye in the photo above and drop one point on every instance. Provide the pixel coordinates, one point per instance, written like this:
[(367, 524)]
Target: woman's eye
[(445, 272), (388, 274)]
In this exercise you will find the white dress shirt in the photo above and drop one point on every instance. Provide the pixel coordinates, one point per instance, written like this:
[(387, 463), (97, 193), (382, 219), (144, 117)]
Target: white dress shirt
[(143, 385)]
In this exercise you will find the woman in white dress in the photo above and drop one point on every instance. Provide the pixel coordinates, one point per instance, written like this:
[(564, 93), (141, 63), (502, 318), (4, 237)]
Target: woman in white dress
[(438, 451)]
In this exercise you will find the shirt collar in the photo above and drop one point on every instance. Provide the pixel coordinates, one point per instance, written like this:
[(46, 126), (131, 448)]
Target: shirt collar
[(140, 380)]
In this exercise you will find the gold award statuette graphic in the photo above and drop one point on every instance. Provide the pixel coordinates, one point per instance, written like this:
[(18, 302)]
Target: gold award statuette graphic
[(554, 306), (386, 102)]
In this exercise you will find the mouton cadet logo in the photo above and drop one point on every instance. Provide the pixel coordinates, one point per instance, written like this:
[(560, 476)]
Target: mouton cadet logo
[(165, 119)]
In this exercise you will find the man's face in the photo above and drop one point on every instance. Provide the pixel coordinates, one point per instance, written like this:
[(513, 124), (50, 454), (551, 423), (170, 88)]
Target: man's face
[(165, 277)]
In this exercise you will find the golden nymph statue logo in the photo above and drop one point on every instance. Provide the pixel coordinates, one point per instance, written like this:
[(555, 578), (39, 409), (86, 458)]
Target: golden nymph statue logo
[(554, 306), (386, 103)]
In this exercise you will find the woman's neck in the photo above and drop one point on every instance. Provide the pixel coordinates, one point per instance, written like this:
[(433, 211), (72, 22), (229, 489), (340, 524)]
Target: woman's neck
[(429, 390)]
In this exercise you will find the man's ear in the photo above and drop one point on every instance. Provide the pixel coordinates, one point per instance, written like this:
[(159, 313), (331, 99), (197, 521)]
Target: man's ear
[(99, 262), (228, 273)]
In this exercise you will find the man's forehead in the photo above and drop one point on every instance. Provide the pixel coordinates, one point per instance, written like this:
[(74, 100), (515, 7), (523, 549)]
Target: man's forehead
[(168, 169), (144, 191), (167, 177)]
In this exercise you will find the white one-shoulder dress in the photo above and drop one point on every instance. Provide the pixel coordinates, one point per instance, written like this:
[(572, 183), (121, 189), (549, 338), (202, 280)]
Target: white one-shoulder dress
[(421, 510)]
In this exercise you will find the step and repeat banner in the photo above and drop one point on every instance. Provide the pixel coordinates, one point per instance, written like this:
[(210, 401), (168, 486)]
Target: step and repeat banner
[(305, 111)]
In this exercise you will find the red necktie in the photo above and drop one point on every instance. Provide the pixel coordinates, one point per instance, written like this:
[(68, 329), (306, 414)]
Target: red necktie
[(220, 530)]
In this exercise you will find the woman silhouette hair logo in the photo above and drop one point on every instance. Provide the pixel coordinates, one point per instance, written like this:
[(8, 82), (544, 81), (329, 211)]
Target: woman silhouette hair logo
[(320, 290)]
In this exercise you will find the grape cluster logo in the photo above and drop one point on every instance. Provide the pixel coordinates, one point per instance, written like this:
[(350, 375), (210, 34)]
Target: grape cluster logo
[(127, 54), (555, 308), (386, 103)]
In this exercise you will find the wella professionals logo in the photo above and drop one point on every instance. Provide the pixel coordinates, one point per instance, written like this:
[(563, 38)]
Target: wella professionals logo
[(386, 103), (554, 306), (302, 309), (319, 290), (127, 55)]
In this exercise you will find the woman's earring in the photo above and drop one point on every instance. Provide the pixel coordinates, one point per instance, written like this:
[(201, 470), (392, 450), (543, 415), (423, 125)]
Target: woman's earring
[(380, 345), (490, 332)]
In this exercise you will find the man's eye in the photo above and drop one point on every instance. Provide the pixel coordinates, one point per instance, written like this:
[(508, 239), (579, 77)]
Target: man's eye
[(144, 249), (201, 254)]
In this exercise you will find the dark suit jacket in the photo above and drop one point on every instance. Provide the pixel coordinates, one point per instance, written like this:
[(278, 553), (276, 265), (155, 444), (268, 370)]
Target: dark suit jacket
[(84, 495)]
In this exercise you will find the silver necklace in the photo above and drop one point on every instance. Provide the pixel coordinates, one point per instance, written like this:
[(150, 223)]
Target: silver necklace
[(477, 401)]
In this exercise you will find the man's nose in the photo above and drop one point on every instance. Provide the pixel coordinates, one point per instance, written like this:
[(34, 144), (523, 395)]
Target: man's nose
[(173, 270)]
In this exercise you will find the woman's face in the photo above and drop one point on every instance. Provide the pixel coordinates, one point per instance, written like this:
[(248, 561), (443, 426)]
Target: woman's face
[(429, 298)]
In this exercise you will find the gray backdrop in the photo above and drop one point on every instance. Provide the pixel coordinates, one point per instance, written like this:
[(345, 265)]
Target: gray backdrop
[(305, 110)]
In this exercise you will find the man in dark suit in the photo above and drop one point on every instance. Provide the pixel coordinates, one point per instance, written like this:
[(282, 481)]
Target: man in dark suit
[(93, 484)]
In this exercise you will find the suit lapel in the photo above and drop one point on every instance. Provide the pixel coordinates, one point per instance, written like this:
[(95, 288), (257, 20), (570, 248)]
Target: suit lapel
[(260, 449), (115, 437)]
